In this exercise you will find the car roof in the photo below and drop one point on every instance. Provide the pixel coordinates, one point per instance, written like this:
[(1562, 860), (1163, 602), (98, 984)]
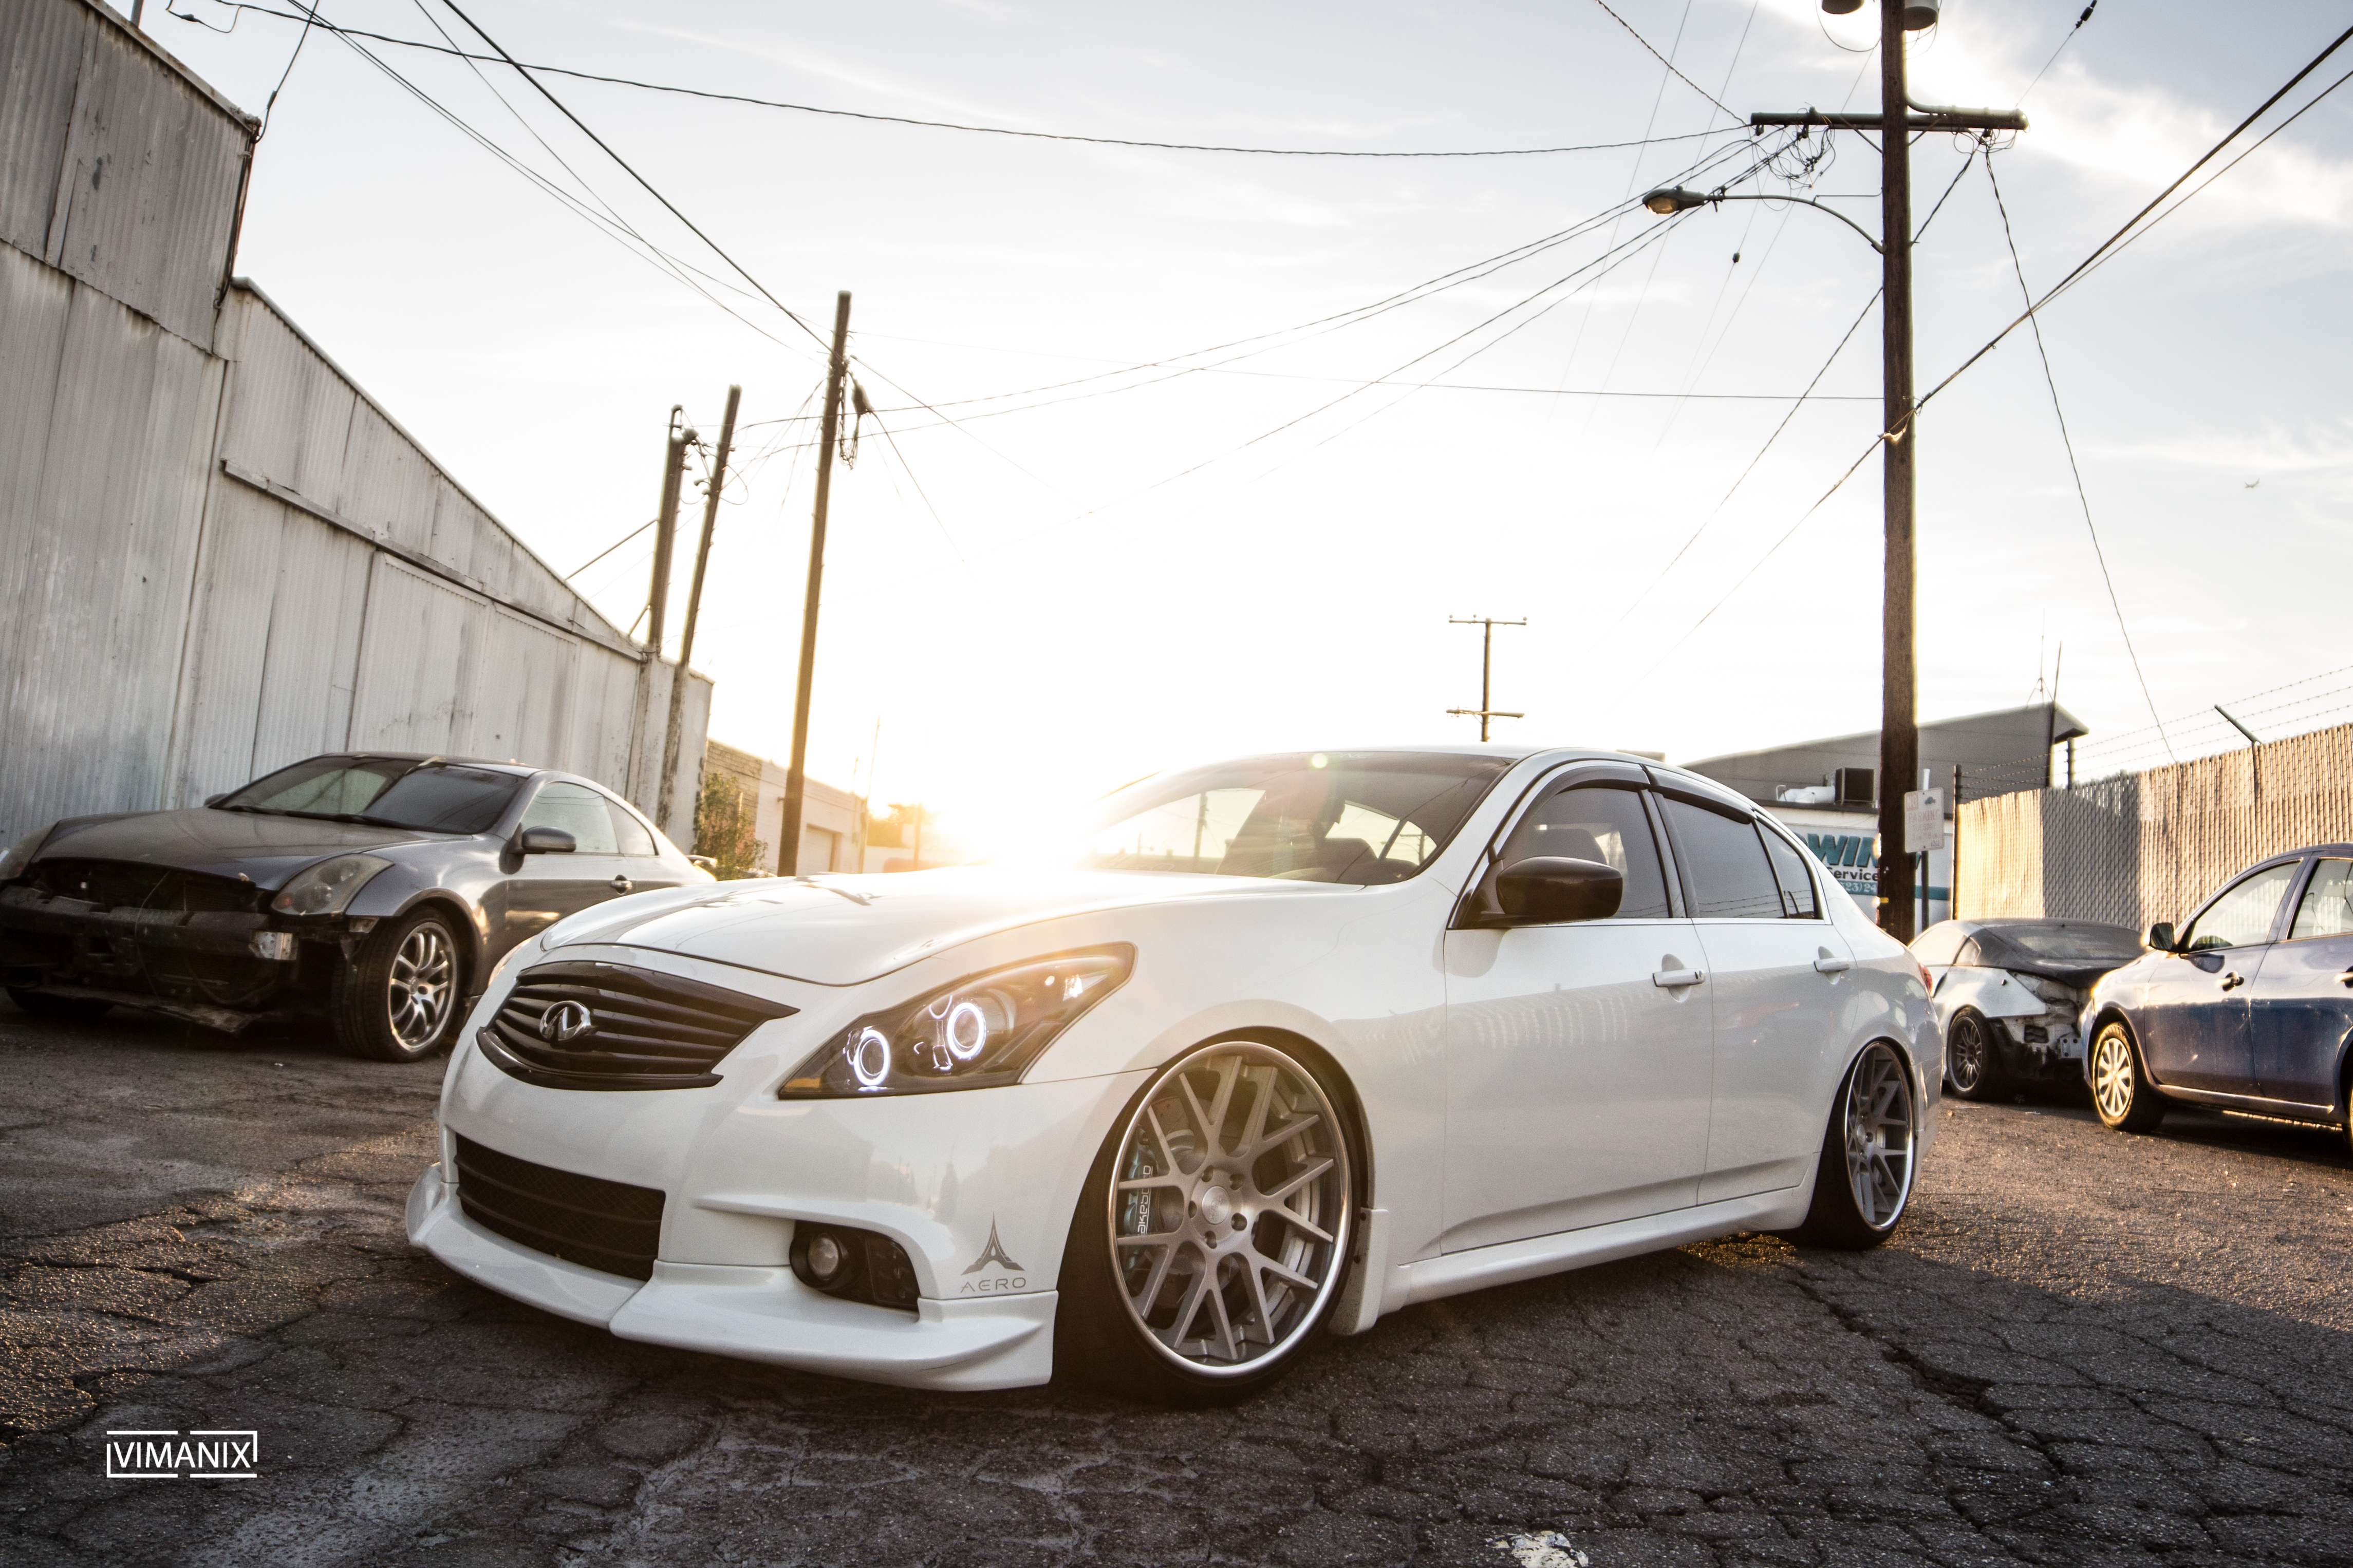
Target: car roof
[(506, 765)]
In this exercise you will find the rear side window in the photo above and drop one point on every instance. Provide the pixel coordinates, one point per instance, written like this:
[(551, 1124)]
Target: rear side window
[(1940, 944), (1789, 870), (2327, 907), (629, 832), (1594, 822), (1731, 878)]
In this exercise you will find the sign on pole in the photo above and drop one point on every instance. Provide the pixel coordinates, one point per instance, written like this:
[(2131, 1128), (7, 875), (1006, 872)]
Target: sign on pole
[(1924, 819)]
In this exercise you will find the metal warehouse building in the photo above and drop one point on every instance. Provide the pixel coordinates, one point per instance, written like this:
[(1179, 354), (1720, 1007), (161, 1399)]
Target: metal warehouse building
[(218, 554)]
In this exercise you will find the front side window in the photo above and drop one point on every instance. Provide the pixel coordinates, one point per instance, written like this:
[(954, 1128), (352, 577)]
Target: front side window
[(386, 792), (1595, 821), (2327, 906), (1355, 817), (2243, 917), (1731, 878), (630, 834), (577, 810)]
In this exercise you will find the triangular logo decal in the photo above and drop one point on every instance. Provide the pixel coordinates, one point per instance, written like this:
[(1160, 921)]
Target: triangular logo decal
[(994, 1253)]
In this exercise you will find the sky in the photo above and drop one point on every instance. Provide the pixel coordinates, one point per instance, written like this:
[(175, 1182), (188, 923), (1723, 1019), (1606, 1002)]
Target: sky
[(1035, 596)]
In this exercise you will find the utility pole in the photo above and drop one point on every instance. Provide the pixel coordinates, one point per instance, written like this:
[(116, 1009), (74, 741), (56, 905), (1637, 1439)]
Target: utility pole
[(788, 853), (1486, 708), (678, 676), (1897, 120), (657, 592)]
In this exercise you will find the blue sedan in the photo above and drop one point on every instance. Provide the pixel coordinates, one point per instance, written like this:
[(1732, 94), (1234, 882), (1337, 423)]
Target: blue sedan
[(2247, 1007)]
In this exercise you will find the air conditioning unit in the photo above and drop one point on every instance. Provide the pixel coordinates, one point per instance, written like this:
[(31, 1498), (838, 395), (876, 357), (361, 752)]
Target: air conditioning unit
[(1855, 786)]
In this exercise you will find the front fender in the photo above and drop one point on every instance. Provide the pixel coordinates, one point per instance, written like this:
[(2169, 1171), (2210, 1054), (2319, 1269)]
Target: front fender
[(1992, 992)]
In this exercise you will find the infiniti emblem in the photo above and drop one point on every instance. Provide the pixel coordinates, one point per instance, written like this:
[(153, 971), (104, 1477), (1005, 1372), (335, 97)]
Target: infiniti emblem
[(566, 1022)]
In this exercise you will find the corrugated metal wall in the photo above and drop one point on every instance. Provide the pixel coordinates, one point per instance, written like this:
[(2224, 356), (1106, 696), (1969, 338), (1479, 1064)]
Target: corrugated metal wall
[(2142, 848), (218, 556)]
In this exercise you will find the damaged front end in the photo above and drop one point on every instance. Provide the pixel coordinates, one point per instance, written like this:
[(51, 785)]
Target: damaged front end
[(203, 948)]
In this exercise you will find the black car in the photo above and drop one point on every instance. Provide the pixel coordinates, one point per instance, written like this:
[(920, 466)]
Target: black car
[(376, 889), (2007, 992), (2248, 1006)]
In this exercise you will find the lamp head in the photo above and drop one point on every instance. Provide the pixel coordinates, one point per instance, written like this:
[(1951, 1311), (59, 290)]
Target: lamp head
[(1672, 199)]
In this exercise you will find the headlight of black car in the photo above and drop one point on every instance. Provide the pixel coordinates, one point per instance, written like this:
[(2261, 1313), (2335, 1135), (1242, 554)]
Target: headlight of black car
[(20, 855), (326, 888), (979, 1032)]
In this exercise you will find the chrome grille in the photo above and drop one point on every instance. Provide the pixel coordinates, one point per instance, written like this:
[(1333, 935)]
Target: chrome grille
[(591, 1025), (610, 1226)]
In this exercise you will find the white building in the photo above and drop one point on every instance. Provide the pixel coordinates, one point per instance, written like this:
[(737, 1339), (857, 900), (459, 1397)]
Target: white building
[(218, 554), (833, 821)]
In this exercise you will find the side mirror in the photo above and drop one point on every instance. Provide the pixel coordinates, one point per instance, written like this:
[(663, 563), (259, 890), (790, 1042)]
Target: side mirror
[(212, 800), (2161, 936), (545, 841), (1549, 889)]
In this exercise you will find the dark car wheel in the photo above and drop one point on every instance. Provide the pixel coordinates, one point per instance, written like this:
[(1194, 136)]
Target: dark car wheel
[(1212, 1238), (402, 999), (1973, 1057), (1864, 1181), (60, 1010), (2121, 1091)]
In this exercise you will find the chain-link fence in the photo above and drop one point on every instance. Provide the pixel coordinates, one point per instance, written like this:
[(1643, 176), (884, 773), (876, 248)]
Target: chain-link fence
[(2146, 847)]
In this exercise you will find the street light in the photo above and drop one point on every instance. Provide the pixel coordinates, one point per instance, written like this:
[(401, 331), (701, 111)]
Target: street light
[(1676, 199)]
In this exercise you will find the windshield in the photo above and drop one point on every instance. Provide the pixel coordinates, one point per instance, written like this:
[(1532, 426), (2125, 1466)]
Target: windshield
[(390, 792), (1357, 818), (2082, 941)]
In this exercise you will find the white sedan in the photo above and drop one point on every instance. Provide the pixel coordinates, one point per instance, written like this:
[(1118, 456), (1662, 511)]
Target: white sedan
[(1298, 1041)]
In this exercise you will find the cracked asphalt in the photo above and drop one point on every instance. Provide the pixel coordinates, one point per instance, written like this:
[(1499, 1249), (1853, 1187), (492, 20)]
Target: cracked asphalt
[(2083, 1348)]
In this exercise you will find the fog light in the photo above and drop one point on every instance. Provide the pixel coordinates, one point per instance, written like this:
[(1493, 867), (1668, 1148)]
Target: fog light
[(277, 946), (825, 1258), (854, 1266)]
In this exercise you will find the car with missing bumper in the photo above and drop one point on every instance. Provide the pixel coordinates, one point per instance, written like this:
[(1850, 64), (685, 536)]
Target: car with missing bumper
[(2247, 1007), (374, 890), (1289, 1042), (2007, 994)]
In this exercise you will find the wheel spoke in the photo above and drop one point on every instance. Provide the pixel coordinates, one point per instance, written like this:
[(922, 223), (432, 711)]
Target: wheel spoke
[(1218, 1310), (1200, 1114), (1282, 1195), (1263, 1102), (1229, 1073), (1253, 1270), (1288, 1131)]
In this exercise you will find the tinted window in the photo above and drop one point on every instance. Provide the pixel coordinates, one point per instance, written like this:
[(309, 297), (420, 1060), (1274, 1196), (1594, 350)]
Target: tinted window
[(2243, 916), (1789, 870), (1359, 817), (434, 797), (2327, 906), (1593, 822), (2070, 941), (633, 835), (579, 811), (1730, 877), (1940, 943)]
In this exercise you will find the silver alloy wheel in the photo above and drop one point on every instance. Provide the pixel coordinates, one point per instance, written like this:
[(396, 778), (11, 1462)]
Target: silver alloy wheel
[(1230, 1208), (2112, 1075), (1880, 1136), (1966, 1055), (422, 987)]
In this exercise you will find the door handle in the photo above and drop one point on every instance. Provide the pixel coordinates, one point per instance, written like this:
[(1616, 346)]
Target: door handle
[(1673, 979), (1833, 966), (2346, 978), (2233, 980), (621, 884)]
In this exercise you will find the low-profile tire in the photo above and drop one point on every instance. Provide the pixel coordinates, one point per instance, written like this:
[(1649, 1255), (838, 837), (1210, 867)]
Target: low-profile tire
[(1869, 1158), (1973, 1057), (59, 1010), (2121, 1091), (402, 999), (1212, 1239)]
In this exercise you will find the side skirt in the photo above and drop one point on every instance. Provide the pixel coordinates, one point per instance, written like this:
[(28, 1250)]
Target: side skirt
[(1511, 1261)]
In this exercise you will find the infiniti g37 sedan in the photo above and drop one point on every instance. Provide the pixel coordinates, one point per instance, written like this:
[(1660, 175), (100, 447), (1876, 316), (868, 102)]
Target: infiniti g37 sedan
[(374, 890), (1293, 1042), (2247, 1007)]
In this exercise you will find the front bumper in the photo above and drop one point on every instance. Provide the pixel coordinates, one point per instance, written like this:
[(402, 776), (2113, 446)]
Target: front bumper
[(755, 1313), (216, 967)]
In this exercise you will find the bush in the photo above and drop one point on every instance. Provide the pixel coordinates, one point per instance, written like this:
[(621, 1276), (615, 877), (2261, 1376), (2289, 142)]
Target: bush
[(724, 828)]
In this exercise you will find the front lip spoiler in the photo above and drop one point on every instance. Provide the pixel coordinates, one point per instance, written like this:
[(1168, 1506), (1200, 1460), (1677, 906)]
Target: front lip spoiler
[(513, 1066)]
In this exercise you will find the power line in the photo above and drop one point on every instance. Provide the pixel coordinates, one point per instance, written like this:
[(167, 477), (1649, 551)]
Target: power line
[(501, 58), (1737, 116), (2068, 441), (2064, 42), (632, 173)]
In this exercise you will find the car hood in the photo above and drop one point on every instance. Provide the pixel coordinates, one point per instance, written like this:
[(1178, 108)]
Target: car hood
[(266, 850), (842, 931)]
